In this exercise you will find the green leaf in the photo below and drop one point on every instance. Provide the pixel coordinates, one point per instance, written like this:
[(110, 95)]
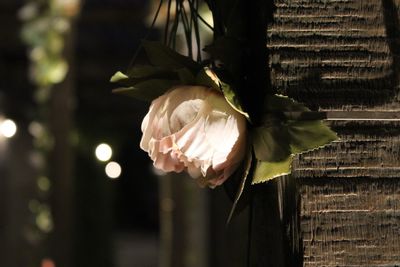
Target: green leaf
[(140, 74), (162, 56), (118, 76), (210, 78), (232, 99), (266, 171), (271, 143), (282, 103), (308, 135), (242, 174), (203, 79), (288, 128), (147, 90), (290, 109), (305, 131)]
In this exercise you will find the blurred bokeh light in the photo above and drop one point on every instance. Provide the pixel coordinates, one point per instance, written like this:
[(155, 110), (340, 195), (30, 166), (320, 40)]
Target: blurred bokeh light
[(113, 170), (8, 128), (103, 152)]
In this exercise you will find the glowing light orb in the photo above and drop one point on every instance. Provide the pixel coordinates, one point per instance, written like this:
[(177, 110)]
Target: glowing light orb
[(103, 152), (113, 170), (8, 128)]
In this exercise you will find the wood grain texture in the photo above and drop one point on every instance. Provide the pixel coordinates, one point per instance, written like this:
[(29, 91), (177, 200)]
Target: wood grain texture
[(343, 55), (332, 54), (350, 196), (351, 222), (365, 149)]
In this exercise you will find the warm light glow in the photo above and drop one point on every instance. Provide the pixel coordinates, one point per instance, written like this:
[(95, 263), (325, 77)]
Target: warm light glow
[(47, 263), (113, 170), (103, 152), (8, 128)]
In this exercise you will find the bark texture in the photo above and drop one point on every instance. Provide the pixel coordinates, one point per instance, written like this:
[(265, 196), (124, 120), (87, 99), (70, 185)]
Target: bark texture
[(342, 55)]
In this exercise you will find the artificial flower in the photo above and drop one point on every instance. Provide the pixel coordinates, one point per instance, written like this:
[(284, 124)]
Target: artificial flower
[(194, 129)]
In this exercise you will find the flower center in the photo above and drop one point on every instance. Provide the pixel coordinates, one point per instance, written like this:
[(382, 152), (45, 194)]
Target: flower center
[(184, 114)]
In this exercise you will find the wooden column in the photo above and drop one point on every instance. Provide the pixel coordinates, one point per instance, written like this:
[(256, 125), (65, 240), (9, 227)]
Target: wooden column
[(343, 57)]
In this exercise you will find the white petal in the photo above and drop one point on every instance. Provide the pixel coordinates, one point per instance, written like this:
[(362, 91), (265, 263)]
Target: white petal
[(192, 142), (167, 163), (184, 114), (166, 159), (148, 123)]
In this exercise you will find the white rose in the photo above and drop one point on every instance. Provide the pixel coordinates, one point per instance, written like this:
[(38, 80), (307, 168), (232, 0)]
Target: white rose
[(193, 128)]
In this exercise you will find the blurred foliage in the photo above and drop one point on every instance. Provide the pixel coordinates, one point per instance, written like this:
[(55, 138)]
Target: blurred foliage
[(46, 25)]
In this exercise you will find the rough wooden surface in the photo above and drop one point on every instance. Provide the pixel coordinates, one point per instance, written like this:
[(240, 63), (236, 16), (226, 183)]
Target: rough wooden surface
[(343, 55), (351, 222), (366, 149), (332, 53)]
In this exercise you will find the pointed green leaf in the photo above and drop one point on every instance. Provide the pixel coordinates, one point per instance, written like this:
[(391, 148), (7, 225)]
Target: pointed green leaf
[(139, 74), (290, 109), (232, 99), (308, 135), (202, 78), (266, 171), (213, 80), (271, 143), (147, 90), (282, 103), (162, 56), (243, 172), (118, 76)]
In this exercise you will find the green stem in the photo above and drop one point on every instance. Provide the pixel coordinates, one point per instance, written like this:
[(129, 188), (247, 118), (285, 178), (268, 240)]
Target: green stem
[(146, 36), (167, 22)]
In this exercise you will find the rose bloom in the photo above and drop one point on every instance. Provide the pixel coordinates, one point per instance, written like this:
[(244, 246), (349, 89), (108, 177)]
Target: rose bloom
[(194, 128)]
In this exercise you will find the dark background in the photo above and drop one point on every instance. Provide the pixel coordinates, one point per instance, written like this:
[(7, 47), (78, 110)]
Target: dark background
[(331, 55), (110, 215), (110, 222)]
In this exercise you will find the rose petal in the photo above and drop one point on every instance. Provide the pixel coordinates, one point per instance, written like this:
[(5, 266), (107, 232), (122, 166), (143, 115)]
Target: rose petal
[(148, 122), (194, 128), (184, 114), (168, 161), (192, 142)]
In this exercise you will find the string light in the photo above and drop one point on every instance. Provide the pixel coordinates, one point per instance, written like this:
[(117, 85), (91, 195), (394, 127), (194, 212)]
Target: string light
[(8, 128), (103, 152), (113, 170)]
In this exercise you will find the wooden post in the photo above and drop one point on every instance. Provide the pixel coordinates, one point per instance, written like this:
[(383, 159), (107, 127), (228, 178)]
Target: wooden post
[(342, 58)]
